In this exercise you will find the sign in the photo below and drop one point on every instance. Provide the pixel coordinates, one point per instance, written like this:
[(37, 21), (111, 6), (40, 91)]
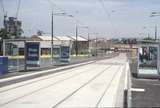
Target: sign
[(32, 54), (148, 56)]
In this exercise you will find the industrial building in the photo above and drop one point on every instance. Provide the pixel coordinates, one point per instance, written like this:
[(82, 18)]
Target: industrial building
[(45, 42)]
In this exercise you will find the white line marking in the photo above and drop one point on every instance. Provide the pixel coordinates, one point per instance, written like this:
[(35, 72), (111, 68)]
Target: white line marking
[(138, 90), (157, 84)]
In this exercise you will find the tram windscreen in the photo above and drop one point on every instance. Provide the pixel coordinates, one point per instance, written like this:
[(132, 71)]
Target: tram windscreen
[(148, 57)]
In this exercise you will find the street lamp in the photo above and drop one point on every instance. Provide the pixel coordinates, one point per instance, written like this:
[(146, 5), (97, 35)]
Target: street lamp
[(52, 31), (154, 14), (76, 47)]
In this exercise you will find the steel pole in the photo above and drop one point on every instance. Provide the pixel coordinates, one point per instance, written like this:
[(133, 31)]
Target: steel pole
[(52, 38), (155, 33), (76, 41)]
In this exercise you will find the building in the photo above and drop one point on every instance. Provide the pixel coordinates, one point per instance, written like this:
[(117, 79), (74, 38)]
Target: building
[(99, 46), (13, 26), (45, 42), (82, 43)]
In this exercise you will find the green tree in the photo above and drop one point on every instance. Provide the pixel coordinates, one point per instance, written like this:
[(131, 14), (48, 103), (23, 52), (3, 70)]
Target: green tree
[(148, 38), (4, 34)]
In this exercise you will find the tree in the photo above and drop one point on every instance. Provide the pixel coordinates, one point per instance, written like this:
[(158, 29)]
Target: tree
[(148, 38), (39, 32), (4, 34)]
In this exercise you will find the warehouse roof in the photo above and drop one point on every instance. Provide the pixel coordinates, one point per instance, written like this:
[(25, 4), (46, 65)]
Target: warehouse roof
[(64, 38), (80, 38), (61, 38), (44, 37)]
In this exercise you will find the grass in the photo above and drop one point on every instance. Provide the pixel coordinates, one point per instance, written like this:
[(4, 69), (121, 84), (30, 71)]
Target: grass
[(46, 56)]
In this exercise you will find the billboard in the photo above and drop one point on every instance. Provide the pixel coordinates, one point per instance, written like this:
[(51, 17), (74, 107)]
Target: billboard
[(32, 54), (148, 57)]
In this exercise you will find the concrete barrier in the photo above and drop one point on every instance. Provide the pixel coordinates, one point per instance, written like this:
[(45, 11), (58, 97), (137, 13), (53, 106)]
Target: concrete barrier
[(123, 93)]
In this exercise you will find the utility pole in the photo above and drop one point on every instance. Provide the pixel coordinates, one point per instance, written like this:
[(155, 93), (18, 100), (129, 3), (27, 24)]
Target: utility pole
[(96, 47), (76, 47), (155, 33), (52, 37), (88, 43)]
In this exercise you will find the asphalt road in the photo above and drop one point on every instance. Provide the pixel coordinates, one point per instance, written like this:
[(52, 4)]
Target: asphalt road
[(150, 97), (146, 92)]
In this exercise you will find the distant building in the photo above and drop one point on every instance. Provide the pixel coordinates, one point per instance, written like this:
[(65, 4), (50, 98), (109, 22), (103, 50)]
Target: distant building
[(100, 45), (13, 26), (82, 43), (45, 42)]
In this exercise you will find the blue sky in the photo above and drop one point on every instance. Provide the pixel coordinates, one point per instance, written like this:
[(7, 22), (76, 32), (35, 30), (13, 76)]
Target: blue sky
[(114, 18)]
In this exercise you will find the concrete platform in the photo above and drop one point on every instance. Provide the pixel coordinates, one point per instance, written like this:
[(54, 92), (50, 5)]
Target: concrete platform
[(98, 84)]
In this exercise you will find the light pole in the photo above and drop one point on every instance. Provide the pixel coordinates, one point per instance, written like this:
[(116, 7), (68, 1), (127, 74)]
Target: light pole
[(76, 44), (155, 14), (76, 41), (52, 29), (155, 31), (52, 38)]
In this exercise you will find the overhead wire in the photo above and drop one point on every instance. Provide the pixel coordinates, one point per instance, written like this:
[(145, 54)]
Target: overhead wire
[(62, 10), (108, 16)]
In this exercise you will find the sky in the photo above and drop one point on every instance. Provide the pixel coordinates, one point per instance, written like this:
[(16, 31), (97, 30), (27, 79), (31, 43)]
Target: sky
[(105, 18)]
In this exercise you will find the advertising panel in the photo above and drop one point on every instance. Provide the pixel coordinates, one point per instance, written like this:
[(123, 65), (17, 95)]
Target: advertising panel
[(148, 57), (32, 54)]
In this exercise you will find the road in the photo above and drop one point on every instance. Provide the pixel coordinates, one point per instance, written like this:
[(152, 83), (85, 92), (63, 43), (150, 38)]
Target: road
[(148, 94), (92, 85)]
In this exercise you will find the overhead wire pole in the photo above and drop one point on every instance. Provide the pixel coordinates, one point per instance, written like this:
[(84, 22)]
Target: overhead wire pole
[(155, 33), (52, 35), (63, 13), (77, 21), (88, 44), (76, 47), (155, 14)]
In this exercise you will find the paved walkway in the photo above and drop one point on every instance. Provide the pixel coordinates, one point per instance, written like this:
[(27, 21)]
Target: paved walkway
[(99, 84)]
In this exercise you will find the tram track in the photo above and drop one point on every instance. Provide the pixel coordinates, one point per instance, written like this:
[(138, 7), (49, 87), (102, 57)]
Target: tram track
[(62, 80), (75, 91), (32, 82), (107, 87)]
